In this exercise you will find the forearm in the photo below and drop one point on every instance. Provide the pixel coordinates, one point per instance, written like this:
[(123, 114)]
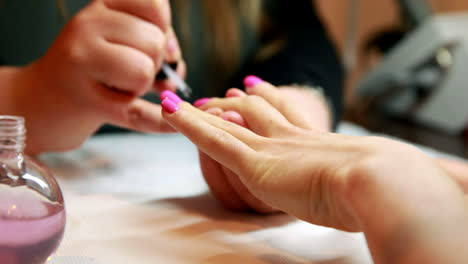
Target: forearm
[(410, 211)]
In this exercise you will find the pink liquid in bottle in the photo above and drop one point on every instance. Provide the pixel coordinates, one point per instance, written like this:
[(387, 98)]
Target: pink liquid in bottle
[(31, 228)]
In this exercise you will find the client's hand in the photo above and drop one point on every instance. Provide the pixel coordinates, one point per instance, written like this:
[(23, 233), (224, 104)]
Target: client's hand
[(408, 207), (225, 184), (301, 171)]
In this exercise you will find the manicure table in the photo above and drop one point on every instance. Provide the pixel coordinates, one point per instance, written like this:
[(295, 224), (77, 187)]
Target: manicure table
[(141, 199)]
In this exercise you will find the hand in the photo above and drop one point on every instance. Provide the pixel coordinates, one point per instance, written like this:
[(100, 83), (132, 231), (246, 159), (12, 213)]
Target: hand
[(226, 185), (351, 183), (457, 170), (105, 58), (285, 165)]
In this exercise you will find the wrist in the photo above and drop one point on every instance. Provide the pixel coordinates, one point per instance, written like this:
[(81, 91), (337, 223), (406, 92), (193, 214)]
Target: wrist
[(407, 208), (55, 121)]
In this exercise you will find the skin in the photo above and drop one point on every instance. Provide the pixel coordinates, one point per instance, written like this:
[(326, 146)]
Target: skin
[(224, 183), (103, 60), (410, 209), (95, 71)]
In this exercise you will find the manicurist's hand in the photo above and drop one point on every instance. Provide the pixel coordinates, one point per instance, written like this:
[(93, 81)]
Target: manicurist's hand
[(106, 57)]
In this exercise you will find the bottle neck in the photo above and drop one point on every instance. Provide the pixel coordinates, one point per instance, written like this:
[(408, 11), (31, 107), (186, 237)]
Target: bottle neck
[(12, 143)]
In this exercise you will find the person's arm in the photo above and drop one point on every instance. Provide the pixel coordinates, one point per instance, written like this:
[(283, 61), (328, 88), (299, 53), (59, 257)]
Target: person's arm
[(410, 210)]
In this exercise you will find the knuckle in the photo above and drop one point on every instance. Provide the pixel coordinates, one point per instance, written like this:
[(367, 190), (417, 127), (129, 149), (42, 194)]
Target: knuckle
[(76, 53), (160, 8), (254, 100), (218, 139), (157, 48), (83, 21), (134, 116), (143, 76)]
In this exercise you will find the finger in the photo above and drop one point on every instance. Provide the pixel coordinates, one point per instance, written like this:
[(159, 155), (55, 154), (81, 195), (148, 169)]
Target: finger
[(292, 112), (121, 28), (234, 92), (174, 53), (218, 184), (155, 11), (259, 115), (216, 111), (256, 86), (233, 117), (121, 67), (130, 112), (225, 142), (244, 194), (234, 181)]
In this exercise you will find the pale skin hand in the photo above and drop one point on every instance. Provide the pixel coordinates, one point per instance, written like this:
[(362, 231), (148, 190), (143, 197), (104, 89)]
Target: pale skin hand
[(409, 209), (104, 59), (310, 111), (458, 170)]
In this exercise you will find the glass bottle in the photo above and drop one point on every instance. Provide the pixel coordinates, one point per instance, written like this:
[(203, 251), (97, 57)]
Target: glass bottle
[(32, 212)]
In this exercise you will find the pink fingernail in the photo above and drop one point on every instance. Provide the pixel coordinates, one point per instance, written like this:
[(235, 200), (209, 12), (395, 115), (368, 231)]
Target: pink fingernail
[(252, 80), (171, 95), (201, 102), (172, 45), (169, 106)]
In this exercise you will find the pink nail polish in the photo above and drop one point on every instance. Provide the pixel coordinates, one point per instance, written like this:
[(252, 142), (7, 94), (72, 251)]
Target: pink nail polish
[(252, 80), (169, 106), (171, 95), (172, 45), (201, 102)]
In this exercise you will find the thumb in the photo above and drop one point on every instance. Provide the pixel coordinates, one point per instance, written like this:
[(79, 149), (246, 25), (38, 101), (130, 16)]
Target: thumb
[(142, 116)]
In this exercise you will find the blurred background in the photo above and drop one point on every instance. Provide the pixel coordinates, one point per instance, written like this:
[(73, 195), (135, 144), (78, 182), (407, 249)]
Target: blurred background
[(407, 67)]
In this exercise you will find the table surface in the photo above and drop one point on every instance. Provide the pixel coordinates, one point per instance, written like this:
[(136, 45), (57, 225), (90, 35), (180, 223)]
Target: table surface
[(134, 198), (141, 199)]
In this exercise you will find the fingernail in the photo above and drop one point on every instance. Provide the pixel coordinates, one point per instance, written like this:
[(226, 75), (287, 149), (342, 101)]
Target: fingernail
[(252, 80), (169, 106), (171, 95), (172, 45), (201, 102)]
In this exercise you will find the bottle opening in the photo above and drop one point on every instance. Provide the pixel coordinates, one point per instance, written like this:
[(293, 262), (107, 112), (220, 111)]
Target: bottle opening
[(12, 133)]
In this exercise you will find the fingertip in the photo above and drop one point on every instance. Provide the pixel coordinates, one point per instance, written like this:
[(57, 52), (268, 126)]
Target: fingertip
[(168, 94), (234, 92), (201, 102), (169, 106), (252, 80), (234, 117)]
